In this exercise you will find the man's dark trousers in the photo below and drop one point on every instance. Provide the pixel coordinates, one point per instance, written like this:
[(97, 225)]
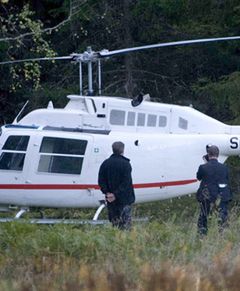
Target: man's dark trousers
[(120, 215), (206, 206)]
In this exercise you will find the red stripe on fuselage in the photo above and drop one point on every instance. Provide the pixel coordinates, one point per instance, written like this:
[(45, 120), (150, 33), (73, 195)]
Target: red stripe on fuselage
[(164, 184), (88, 186)]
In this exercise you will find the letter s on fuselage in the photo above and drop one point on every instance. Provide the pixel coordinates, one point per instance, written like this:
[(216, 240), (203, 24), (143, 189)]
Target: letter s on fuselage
[(234, 142)]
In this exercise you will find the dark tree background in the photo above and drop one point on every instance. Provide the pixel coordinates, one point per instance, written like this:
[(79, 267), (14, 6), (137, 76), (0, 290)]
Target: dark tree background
[(205, 75)]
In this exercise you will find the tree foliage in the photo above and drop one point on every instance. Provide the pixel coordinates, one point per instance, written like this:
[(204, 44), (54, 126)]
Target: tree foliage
[(205, 75)]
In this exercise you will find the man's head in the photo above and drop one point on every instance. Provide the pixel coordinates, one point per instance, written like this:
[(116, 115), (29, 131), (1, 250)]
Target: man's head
[(118, 148), (213, 152)]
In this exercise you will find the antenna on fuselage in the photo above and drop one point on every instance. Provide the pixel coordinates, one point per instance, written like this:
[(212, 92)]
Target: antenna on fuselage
[(20, 112)]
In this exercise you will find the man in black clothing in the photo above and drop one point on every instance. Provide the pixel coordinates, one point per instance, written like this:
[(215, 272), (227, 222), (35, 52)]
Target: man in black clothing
[(115, 182), (214, 187)]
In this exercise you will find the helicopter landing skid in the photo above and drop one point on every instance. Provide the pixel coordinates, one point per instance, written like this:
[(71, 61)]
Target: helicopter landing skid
[(54, 221), (42, 220), (99, 210), (50, 221), (21, 212)]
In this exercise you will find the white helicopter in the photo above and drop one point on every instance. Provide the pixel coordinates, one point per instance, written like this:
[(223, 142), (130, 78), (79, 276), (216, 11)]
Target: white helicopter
[(51, 157)]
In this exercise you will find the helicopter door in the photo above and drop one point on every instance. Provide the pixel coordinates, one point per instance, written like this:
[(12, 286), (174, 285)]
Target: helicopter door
[(61, 160), (61, 156), (149, 164)]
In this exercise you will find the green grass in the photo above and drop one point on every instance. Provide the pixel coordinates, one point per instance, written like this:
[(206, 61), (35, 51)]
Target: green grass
[(159, 255)]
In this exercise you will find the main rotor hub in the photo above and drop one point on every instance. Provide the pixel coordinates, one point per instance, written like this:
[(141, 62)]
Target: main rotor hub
[(88, 56)]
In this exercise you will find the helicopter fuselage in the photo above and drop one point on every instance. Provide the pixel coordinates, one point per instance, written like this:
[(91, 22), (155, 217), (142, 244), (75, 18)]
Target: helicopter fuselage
[(51, 157)]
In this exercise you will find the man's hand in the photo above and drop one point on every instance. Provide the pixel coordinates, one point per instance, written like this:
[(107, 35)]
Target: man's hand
[(110, 197)]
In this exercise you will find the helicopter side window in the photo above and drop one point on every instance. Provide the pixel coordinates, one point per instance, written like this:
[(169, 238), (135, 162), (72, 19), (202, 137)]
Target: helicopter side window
[(117, 117), (162, 121), (13, 153), (63, 146), (62, 155), (131, 118), (16, 142), (182, 123), (152, 120), (141, 119)]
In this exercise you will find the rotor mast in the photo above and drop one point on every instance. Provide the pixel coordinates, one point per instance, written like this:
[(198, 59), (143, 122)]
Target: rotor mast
[(90, 77), (80, 78), (88, 57)]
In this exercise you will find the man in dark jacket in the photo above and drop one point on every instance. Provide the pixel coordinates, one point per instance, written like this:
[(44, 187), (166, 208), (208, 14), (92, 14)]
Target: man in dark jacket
[(214, 188), (115, 182)]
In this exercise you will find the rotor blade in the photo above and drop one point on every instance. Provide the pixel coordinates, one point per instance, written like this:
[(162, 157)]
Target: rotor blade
[(106, 53), (36, 59)]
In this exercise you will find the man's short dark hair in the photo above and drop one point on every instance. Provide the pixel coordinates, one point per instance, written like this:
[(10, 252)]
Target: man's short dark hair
[(213, 151), (118, 147)]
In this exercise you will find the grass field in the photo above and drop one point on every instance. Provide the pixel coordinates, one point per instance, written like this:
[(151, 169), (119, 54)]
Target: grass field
[(162, 254)]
